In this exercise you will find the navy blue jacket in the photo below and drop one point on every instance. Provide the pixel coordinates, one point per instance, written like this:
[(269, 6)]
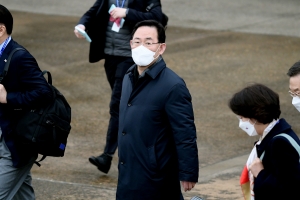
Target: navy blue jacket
[(280, 178), (157, 136), (96, 19), (26, 87)]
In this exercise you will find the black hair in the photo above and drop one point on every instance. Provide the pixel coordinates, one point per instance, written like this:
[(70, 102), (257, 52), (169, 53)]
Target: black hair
[(152, 23), (294, 70), (6, 19), (257, 102)]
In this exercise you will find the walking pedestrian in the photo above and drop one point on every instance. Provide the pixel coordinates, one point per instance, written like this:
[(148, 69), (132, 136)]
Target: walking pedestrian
[(272, 170), (109, 24), (24, 86), (294, 74), (157, 135)]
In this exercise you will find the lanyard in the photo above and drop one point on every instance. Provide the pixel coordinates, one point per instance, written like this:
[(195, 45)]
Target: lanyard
[(122, 3), (4, 45)]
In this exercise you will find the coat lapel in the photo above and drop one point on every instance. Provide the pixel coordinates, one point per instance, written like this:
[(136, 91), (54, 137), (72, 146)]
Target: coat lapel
[(280, 127), (101, 8), (151, 75)]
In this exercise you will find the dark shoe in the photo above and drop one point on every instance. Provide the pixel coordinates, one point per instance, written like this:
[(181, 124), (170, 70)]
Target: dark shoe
[(102, 162)]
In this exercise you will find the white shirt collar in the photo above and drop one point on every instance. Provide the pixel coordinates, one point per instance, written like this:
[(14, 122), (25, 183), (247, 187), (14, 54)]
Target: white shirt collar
[(268, 129)]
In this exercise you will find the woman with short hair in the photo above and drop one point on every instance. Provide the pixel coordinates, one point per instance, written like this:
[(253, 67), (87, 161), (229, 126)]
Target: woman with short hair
[(272, 170)]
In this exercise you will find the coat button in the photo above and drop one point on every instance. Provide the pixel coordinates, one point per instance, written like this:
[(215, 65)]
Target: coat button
[(123, 133), (129, 104), (122, 163)]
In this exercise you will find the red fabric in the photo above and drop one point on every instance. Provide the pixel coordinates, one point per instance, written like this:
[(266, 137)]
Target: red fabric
[(245, 184), (117, 20), (244, 176)]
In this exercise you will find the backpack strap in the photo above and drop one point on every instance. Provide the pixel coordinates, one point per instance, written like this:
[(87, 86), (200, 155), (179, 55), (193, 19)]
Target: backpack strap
[(38, 162), (153, 5), (292, 142), (262, 156), (50, 82), (6, 66), (49, 76)]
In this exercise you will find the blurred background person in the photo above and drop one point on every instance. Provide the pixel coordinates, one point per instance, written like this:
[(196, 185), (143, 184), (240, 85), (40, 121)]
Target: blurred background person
[(110, 33), (272, 170), (294, 74)]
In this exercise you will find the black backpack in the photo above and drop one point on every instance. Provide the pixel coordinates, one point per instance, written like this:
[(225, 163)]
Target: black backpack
[(47, 128), (153, 4)]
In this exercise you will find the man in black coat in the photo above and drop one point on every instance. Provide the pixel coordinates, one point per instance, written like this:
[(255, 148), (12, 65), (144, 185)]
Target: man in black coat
[(23, 87), (157, 135), (110, 33)]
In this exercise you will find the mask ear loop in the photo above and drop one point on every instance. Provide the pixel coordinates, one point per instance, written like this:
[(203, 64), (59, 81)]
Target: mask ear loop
[(156, 52), (251, 123)]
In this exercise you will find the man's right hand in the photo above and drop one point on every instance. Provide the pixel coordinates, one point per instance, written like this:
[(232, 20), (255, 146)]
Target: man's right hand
[(187, 186), (78, 35), (3, 94)]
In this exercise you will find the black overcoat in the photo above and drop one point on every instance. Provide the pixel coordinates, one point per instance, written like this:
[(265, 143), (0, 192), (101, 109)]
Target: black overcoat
[(157, 136), (280, 178)]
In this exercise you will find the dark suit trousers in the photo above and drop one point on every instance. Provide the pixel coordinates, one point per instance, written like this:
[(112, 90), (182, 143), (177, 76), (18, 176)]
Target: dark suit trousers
[(115, 68)]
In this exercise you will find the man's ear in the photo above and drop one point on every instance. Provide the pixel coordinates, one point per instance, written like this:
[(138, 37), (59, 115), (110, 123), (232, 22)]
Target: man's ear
[(2, 30), (162, 48)]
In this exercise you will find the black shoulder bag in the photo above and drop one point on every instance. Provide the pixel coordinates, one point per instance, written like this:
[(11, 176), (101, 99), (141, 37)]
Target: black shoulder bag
[(153, 4), (45, 128)]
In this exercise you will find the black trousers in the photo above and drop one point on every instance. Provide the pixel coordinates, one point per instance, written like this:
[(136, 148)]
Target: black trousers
[(115, 68)]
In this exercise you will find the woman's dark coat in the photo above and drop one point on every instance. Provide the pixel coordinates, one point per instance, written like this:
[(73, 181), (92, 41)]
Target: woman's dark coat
[(280, 178)]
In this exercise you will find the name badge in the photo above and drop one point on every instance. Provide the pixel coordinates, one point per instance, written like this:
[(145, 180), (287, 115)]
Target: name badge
[(117, 28)]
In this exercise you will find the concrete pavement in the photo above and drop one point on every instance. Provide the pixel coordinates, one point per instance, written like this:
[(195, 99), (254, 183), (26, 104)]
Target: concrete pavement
[(266, 17), (214, 60)]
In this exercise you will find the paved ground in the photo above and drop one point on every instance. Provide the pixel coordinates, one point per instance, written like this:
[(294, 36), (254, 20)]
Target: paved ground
[(280, 17), (214, 61)]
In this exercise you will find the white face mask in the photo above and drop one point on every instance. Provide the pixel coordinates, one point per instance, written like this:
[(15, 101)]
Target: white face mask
[(247, 127), (142, 56), (296, 103)]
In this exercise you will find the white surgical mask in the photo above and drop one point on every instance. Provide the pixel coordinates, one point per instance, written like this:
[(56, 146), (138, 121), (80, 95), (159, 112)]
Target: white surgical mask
[(142, 56), (296, 103), (247, 127)]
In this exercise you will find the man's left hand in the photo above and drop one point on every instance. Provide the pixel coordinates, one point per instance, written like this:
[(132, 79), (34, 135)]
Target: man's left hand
[(118, 13), (3, 94), (256, 167), (187, 186)]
